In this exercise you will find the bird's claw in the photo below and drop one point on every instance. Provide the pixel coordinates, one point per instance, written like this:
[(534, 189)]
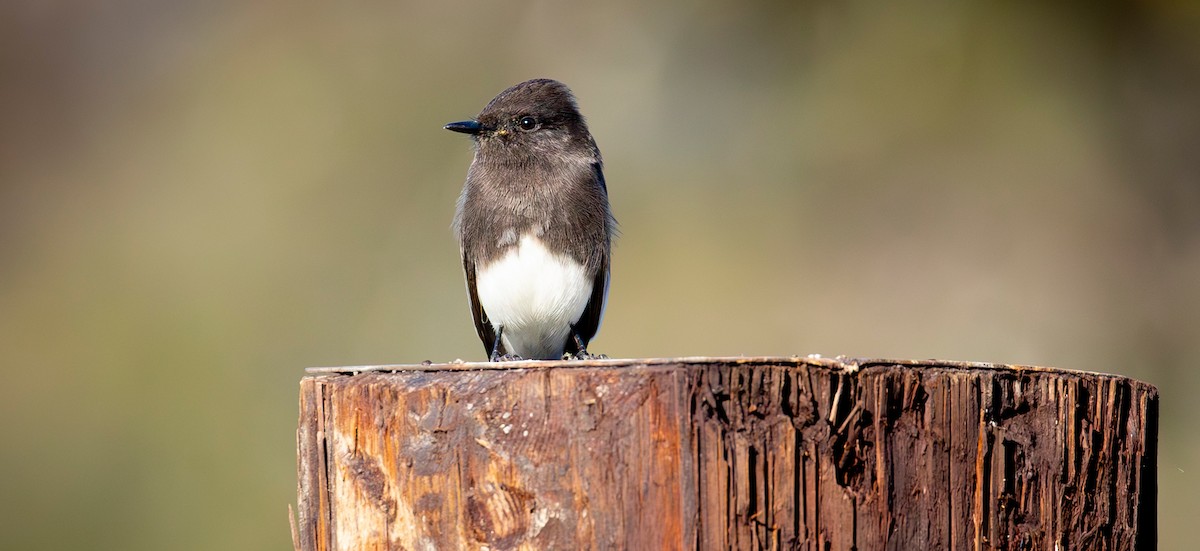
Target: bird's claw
[(584, 355)]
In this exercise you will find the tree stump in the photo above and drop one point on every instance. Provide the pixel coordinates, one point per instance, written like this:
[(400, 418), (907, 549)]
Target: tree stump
[(725, 453)]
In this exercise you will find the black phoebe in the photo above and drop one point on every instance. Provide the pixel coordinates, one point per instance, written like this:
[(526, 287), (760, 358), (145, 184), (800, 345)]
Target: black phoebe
[(534, 225)]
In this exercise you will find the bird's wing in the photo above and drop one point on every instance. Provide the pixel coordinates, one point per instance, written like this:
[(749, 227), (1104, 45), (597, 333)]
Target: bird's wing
[(599, 170), (482, 325), (589, 322), (593, 314)]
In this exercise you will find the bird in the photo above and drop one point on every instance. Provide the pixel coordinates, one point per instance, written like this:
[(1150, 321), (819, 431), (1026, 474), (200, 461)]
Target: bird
[(534, 225)]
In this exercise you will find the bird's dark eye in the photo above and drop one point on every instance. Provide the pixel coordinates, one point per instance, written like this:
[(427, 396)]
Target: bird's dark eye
[(527, 123)]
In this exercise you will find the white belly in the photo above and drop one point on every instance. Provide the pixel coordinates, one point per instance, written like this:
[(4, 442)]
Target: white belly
[(535, 295)]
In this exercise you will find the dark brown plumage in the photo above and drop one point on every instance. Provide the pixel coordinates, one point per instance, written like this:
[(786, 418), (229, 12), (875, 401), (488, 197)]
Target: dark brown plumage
[(534, 208)]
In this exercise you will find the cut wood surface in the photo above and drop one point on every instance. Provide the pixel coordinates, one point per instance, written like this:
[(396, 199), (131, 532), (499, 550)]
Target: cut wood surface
[(725, 453)]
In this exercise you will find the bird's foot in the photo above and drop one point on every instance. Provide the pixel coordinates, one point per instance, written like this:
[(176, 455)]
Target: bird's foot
[(583, 355), (581, 346), (505, 358)]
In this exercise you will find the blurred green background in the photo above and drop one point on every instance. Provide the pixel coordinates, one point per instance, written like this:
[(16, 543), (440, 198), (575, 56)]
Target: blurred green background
[(200, 199)]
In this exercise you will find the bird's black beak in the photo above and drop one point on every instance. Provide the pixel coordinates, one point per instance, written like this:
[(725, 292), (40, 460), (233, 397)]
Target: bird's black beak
[(466, 127)]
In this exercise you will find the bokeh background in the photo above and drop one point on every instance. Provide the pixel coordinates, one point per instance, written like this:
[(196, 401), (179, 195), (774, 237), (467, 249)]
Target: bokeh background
[(200, 199)]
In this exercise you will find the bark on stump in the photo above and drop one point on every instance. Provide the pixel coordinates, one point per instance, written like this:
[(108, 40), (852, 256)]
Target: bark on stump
[(725, 453)]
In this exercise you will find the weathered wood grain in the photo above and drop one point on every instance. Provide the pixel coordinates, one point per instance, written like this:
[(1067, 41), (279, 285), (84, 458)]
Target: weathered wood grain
[(725, 453)]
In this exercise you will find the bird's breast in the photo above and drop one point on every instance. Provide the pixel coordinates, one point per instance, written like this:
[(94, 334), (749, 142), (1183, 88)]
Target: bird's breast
[(535, 294)]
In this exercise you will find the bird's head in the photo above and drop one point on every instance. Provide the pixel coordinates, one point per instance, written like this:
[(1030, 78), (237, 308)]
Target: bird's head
[(534, 119)]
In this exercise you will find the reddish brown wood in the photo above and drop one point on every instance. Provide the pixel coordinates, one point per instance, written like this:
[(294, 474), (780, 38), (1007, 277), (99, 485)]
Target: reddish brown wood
[(725, 453)]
